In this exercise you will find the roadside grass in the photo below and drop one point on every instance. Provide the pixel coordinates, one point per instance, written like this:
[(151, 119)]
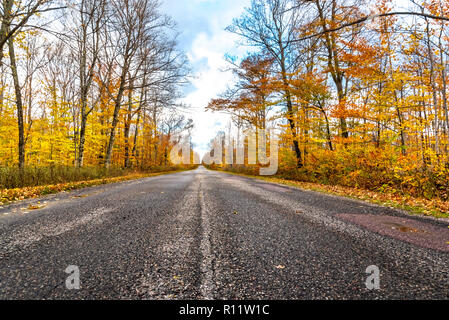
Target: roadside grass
[(415, 206), (34, 176), (17, 194)]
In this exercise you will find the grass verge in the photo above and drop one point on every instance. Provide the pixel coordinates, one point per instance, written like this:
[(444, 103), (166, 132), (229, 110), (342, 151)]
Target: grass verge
[(17, 194), (416, 206)]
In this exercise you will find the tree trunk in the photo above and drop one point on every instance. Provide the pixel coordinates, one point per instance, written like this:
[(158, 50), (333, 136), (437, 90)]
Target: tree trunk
[(84, 89), (115, 119), (19, 104), (5, 21), (126, 134), (434, 89), (328, 131), (290, 113), (128, 124), (136, 133), (82, 139), (334, 63)]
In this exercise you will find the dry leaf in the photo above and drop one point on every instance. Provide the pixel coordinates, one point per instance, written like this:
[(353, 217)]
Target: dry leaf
[(35, 207), (280, 267)]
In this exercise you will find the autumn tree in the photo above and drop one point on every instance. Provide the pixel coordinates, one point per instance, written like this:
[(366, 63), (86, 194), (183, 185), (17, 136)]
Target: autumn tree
[(86, 19), (14, 16), (250, 99), (271, 26)]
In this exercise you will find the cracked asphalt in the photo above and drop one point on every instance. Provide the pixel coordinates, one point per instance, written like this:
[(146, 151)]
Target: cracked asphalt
[(210, 235)]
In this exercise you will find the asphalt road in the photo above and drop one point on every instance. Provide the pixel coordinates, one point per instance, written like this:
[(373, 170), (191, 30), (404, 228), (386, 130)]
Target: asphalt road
[(210, 235)]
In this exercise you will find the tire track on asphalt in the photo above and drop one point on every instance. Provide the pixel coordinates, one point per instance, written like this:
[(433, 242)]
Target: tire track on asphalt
[(28, 235), (169, 270), (207, 272)]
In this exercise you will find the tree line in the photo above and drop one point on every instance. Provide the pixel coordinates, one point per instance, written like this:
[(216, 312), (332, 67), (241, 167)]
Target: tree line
[(89, 83), (358, 88)]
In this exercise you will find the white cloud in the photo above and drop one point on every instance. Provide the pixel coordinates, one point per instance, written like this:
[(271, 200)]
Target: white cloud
[(208, 83), (206, 53)]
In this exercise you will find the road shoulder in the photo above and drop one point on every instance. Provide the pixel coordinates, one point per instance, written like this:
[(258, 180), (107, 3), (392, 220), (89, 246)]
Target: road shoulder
[(423, 208)]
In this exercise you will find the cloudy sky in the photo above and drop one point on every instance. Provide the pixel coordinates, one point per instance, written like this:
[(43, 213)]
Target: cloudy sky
[(203, 38)]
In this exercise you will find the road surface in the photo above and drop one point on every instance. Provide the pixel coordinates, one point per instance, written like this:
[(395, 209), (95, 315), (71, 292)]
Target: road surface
[(211, 235)]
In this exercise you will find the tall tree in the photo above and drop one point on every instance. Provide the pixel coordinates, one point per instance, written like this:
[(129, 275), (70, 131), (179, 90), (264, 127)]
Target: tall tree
[(272, 26), (87, 18)]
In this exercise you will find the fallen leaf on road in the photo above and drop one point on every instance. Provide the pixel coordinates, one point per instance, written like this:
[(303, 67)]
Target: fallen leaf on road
[(35, 207), (280, 267), (81, 196)]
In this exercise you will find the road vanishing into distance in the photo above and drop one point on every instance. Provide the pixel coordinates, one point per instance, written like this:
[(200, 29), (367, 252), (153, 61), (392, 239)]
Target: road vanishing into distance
[(211, 235)]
